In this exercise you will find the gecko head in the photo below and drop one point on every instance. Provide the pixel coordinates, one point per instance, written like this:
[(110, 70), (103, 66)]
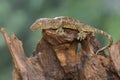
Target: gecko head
[(42, 23)]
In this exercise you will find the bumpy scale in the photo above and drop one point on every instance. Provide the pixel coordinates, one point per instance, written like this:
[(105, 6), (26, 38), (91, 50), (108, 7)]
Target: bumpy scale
[(70, 23)]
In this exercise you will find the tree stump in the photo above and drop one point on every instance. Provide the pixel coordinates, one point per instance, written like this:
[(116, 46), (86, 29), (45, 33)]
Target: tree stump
[(56, 57)]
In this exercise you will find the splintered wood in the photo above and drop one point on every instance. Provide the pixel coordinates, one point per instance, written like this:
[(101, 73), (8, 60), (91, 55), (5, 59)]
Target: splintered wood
[(56, 58)]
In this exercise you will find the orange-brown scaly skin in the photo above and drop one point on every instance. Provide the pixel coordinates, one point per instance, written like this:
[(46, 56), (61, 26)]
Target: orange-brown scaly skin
[(70, 23)]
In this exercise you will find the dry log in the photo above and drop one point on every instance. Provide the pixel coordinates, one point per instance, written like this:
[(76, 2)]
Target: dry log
[(56, 58), (115, 56)]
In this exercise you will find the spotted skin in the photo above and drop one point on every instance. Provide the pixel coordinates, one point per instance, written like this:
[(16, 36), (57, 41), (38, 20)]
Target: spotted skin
[(65, 22)]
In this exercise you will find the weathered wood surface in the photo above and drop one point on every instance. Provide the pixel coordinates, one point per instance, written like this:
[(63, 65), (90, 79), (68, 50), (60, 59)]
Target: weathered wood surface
[(115, 56), (56, 58)]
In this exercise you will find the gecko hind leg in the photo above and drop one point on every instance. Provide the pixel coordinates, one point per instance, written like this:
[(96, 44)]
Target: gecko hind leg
[(81, 35), (60, 31)]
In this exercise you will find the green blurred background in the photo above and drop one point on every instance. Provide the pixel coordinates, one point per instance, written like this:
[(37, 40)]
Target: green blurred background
[(17, 15)]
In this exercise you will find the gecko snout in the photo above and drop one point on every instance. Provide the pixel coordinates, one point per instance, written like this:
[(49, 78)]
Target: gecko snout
[(34, 27)]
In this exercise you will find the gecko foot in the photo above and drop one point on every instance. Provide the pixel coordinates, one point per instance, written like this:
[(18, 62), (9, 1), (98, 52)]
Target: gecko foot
[(81, 35), (60, 31)]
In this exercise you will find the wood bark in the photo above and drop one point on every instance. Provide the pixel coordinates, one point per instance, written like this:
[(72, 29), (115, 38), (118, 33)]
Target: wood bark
[(56, 57)]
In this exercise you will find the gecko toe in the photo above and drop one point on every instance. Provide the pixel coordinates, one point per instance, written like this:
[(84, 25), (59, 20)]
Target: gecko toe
[(60, 31), (81, 35)]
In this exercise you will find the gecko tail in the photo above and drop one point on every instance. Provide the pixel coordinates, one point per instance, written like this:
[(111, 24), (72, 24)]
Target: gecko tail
[(108, 37)]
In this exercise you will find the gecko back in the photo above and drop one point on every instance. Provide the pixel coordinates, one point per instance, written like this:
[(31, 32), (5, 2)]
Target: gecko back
[(70, 23)]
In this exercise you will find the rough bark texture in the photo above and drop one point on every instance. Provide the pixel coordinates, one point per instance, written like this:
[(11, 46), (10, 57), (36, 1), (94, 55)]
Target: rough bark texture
[(56, 57)]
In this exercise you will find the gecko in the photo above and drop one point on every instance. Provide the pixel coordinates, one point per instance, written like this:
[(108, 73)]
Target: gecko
[(61, 22)]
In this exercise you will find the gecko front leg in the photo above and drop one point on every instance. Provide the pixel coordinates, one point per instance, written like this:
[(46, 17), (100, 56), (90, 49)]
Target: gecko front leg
[(81, 35), (60, 31)]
